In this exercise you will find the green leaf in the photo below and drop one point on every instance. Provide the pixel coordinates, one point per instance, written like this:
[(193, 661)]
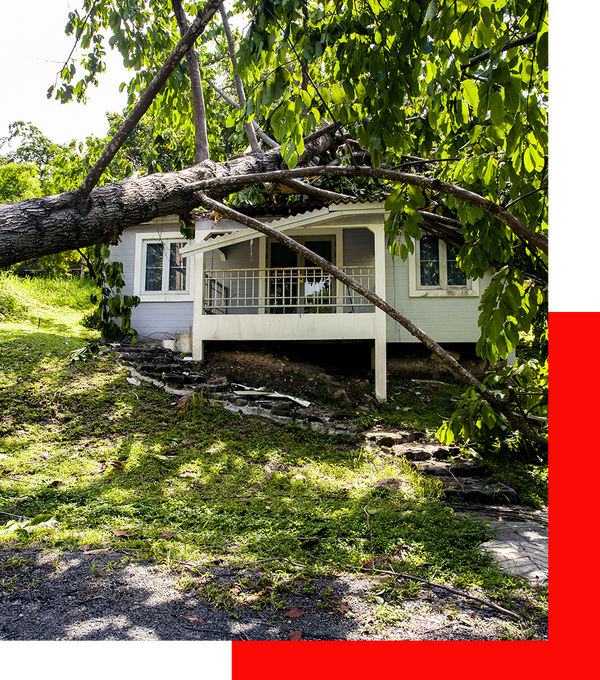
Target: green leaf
[(511, 97), (470, 93), (542, 51), (337, 94), (497, 109)]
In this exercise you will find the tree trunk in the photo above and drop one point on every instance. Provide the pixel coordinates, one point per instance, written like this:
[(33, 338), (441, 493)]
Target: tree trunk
[(239, 86), (201, 148), (53, 224)]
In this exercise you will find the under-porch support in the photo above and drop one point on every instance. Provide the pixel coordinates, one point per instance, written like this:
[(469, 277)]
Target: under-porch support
[(197, 339), (380, 317)]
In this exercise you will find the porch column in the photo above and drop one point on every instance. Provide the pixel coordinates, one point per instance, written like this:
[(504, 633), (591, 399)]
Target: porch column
[(380, 316), (197, 339)]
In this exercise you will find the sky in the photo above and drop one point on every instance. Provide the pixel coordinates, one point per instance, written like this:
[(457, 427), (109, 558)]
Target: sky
[(33, 48)]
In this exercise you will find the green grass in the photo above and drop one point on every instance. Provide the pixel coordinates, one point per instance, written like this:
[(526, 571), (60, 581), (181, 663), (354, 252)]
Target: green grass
[(80, 443)]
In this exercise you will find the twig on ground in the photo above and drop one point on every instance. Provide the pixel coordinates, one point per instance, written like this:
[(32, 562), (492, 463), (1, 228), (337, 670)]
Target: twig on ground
[(395, 574), (433, 584), (370, 536)]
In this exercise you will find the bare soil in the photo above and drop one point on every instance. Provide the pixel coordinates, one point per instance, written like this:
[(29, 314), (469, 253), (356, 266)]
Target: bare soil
[(280, 373), (51, 595)]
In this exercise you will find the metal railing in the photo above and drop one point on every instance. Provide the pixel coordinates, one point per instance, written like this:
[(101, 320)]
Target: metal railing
[(289, 290)]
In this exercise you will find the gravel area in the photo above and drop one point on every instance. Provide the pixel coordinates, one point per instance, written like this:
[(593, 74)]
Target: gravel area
[(52, 595)]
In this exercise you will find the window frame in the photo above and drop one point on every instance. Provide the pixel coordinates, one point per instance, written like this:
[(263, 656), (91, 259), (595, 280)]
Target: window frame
[(163, 295), (416, 289)]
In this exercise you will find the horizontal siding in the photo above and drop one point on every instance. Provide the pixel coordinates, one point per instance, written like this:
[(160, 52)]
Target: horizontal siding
[(124, 251), (155, 320), (444, 319), (162, 319)]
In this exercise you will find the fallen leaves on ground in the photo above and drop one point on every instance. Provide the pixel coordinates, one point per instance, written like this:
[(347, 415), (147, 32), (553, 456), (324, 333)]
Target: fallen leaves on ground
[(194, 619), (294, 613), (378, 561), (166, 534), (123, 534), (294, 635)]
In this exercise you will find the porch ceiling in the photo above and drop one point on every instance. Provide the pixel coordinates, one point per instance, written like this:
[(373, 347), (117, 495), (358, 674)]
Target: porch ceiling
[(316, 218)]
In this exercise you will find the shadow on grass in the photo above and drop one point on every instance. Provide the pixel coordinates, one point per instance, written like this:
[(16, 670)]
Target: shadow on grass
[(76, 596), (120, 458)]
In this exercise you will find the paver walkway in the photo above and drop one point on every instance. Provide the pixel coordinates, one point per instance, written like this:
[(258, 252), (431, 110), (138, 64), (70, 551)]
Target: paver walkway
[(521, 548)]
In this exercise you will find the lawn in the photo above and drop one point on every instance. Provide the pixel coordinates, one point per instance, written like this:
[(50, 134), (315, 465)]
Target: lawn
[(104, 463)]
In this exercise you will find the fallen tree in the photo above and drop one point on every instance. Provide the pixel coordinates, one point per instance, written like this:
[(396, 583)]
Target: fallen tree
[(458, 92)]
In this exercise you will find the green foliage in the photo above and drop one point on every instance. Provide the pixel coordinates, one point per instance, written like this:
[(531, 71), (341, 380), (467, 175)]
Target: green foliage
[(10, 304), (36, 292), (112, 316), (440, 83), (509, 307), (523, 388), (18, 181)]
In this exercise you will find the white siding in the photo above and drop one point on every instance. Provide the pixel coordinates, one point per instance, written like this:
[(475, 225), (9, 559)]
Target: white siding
[(151, 319), (159, 320), (445, 319)]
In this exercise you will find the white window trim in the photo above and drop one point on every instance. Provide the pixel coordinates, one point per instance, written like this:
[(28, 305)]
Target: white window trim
[(141, 240), (415, 289)]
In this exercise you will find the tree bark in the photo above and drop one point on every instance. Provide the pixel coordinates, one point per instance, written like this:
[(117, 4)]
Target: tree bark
[(201, 148), (43, 226), (53, 224), (147, 98), (239, 86)]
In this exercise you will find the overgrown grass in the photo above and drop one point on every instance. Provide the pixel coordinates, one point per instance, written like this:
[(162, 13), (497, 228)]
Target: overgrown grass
[(31, 296), (117, 465)]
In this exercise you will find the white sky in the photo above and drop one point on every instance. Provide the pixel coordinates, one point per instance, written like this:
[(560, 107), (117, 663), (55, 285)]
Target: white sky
[(33, 48)]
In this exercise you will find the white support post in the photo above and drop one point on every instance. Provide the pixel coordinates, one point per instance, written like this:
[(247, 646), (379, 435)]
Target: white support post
[(380, 317), (197, 339), (262, 265)]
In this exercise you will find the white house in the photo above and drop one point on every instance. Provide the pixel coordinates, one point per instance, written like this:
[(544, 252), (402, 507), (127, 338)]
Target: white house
[(232, 283)]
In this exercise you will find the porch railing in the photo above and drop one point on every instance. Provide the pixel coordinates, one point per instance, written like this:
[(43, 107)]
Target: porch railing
[(289, 290)]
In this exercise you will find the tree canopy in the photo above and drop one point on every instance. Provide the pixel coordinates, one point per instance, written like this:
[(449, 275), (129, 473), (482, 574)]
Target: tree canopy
[(441, 105)]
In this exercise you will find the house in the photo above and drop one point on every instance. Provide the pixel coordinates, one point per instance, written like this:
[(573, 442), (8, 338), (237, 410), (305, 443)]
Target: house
[(232, 283)]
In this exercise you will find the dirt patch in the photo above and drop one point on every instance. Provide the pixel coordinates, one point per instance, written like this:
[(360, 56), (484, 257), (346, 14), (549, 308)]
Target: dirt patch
[(337, 376), (49, 595), (279, 373)]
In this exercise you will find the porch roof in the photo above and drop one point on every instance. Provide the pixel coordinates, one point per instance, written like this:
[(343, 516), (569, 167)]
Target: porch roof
[(215, 238)]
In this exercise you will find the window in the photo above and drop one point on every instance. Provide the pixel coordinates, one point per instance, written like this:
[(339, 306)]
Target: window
[(164, 271), (434, 271)]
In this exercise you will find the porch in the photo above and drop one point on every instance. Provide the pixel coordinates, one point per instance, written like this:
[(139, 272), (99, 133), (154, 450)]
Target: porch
[(248, 287), (284, 290)]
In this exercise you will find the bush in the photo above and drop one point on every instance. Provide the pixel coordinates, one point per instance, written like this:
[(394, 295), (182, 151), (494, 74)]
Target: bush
[(10, 305)]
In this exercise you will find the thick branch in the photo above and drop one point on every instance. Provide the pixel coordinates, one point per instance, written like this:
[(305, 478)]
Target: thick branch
[(414, 330), (239, 86), (201, 148), (150, 93), (534, 240), (484, 56), (53, 224)]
